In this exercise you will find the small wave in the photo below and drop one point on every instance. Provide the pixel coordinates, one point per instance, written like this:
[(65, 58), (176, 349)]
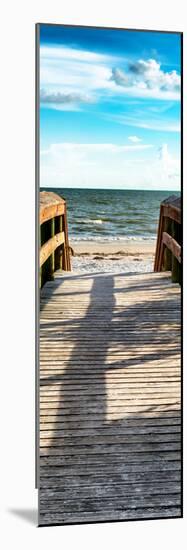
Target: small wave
[(112, 238), (89, 221)]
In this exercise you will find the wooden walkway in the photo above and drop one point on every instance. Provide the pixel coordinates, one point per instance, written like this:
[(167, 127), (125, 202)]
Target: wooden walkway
[(109, 398)]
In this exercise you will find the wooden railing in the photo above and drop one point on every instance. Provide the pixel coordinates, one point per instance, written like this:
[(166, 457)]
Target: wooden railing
[(168, 248), (54, 245)]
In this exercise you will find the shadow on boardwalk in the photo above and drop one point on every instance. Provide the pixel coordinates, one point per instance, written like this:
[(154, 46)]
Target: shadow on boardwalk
[(110, 412)]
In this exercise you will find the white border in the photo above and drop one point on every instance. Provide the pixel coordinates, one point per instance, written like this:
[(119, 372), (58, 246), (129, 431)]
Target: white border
[(17, 270)]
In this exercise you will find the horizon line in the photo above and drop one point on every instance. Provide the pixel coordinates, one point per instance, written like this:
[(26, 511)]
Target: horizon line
[(107, 188)]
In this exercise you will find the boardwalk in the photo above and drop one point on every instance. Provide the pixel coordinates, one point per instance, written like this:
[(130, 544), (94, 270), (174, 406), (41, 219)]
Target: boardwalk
[(109, 398)]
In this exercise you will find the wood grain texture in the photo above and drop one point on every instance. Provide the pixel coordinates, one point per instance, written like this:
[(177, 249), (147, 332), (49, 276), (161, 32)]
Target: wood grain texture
[(172, 245), (51, 205), (169, 238), (54, 244), (50, 246), (109, 398)]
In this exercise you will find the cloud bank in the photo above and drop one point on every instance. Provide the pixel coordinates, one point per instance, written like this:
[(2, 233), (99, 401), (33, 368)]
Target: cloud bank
[(67, 71), (60, 98), (107, 165), (94, 164), (170, 166), (146, 76)]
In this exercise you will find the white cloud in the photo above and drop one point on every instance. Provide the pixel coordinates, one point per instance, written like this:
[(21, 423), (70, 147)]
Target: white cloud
[(164, 155), (82, 148), (61, 100), (120, 77), (158, 125), (134, 139), (70, 70), (146, 78), (97, 164), (63, 52), (107, 165), (150, 74), (58, 97), (170, 165), (164, 170)]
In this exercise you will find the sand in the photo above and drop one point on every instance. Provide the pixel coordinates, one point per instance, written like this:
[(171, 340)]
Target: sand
[(121, 248), (113, 256)]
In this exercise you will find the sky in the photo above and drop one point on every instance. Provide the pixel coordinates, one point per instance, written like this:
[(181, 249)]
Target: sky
[(109, 108)]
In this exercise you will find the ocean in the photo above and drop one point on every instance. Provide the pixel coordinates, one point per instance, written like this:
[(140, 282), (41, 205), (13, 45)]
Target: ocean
[(99, 214)]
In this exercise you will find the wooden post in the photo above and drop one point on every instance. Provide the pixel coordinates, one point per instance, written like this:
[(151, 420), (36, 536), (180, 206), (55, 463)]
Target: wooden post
[(176, 267), (167, 260), (47, 268), (66, 242), (159, 248), (65, 267), (40, 268), (59, 250), (52, 257), (161, 258), (44, 267), (61, 247)]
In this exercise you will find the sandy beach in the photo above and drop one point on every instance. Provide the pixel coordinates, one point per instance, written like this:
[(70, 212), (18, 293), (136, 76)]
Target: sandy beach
[(108, 248), (113, 256)]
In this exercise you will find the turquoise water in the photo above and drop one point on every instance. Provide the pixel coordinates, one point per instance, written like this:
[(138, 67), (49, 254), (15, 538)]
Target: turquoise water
[(112, 214)]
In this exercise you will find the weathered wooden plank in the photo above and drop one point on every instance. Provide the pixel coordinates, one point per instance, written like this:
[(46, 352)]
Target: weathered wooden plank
[(51, 205), (50, 377), (93, 419), (172, 245), (173, 212), (124, 469), (104, 460), (109, 449), (169, 418), (120, 382), (50, 246), (131, 406), (115, 515), (106, 430), (115, 405), (145, 479), (94, 374), (123, 387), (140, 422), (110, 398), (109, 492), (112, 393), (78, 437), (104, 504)]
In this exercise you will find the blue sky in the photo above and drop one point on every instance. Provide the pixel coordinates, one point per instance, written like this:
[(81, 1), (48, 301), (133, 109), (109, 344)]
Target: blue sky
[(109, 108)]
